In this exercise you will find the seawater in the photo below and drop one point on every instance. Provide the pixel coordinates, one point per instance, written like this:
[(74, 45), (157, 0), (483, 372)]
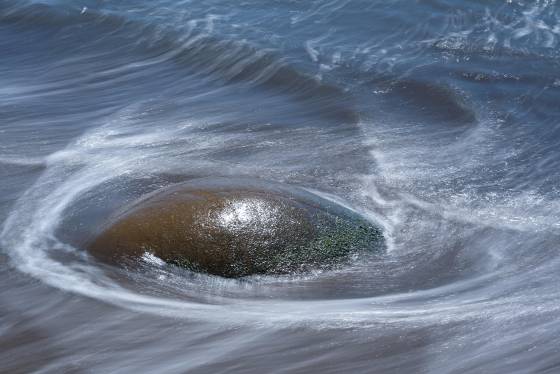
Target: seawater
[(438, 120)]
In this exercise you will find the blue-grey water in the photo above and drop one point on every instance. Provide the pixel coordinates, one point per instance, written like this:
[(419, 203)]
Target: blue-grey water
[(437, 119)]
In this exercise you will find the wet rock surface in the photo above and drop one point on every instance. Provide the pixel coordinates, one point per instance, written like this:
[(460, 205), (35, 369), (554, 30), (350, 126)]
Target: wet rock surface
[(234, 228)]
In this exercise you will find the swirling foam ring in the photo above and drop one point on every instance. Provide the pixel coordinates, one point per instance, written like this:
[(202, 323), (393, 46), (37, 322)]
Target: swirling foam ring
[(28, 235)]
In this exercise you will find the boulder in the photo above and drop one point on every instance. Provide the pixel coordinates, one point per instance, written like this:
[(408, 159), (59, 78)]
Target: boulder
[(235, 228)]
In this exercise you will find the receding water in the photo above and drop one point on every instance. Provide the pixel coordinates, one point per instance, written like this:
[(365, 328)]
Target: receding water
[(438, 120)]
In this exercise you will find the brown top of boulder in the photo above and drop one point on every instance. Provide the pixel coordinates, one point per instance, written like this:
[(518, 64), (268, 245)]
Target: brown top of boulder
[(226, 228), (220, 232)]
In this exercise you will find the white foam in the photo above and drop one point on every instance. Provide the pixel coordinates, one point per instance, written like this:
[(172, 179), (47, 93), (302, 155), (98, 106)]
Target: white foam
[(110, 151)]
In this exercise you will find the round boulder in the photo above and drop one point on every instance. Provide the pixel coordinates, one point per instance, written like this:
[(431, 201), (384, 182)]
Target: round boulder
[(234, 228)]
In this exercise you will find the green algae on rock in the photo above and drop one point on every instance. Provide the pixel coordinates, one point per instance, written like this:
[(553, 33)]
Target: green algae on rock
[(235, 228)]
